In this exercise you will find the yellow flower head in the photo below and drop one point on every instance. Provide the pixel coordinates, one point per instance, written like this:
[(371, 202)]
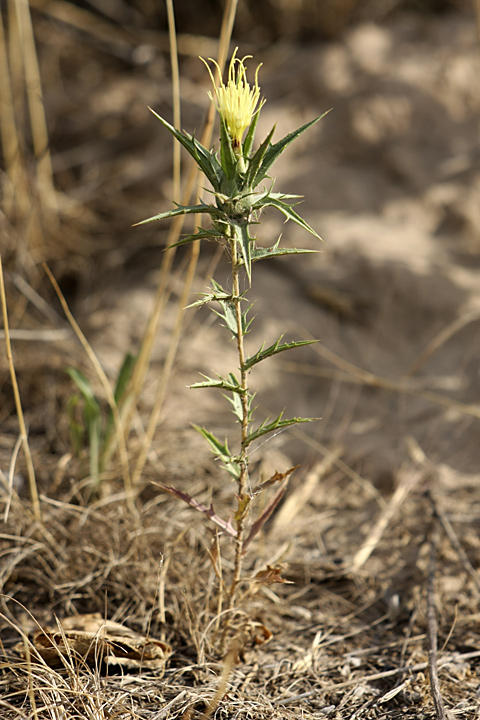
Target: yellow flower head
[(236, 101)]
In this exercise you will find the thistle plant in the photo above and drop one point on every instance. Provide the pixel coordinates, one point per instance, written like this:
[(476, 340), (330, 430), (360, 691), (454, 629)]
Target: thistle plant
[(240, 187)]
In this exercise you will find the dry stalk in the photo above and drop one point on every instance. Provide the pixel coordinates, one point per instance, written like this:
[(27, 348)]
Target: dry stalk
[(228, 665), (407, 484), (455, 543), (432, 630), (18, 405), (38, 122)]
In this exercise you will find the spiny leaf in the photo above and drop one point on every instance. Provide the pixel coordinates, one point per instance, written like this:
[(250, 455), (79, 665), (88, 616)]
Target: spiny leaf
[(274, 349), (228, 314), (289, 213), (277, 424), (245, 242), (220, 383), (248, 142), (200, 234), (265, 253), (254, 164), (236, 403), (275, 150), (206, 160), (221, 451), (218, 295), (225, 525), (207, 298), (183, 210), (228, 158)]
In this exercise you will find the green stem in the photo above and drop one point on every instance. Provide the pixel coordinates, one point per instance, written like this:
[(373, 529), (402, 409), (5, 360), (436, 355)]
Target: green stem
[(243, 456)]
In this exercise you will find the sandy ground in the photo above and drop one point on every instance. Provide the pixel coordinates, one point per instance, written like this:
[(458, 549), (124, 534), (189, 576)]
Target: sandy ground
[(390, 181)]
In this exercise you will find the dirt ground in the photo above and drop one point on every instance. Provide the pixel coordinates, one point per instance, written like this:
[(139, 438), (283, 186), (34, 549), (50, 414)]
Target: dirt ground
[(379, 531)]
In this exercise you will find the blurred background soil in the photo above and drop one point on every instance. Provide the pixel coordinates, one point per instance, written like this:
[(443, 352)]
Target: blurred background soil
[(391, 181)]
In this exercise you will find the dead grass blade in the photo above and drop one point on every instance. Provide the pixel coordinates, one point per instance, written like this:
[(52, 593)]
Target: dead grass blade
[(440, 339), (351, 373), (18, 404), (409, 481), (297, 500), (228, 665), (38, 122), (15, 189)]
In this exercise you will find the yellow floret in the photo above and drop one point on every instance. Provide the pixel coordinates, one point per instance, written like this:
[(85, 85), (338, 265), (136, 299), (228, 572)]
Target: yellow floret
[(236, 101)]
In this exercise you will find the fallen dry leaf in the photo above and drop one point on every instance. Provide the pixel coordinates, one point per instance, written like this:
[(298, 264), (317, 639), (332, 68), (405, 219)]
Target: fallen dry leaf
[(94, 639)]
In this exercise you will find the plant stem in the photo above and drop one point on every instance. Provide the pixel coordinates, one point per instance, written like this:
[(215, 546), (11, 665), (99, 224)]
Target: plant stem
[(243, 456)]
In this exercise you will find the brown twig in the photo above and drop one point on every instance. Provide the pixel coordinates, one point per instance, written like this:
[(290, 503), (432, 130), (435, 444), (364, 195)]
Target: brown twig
[(455, 543), (432, 630)]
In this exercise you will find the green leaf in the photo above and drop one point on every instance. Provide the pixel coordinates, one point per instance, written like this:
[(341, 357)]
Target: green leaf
[(93, 421), (274, 151), (77, 429), (201, 234), (220, 383), (274, 349), (245, 241), (277, 424), (82, 383), (290, 214), (110, 442), (228, 159), (275, 251), (229, 314), (254, 163), (218, 295), (124, 376), (183, 210), (205, 159), (248, 142), (221, 451), (236, 403)]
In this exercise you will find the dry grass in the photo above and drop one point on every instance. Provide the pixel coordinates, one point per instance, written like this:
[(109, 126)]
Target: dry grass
[(349, 638), (342, 638)]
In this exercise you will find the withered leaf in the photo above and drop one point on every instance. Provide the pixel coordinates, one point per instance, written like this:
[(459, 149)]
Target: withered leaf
[(91, 638), (270, 575)]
